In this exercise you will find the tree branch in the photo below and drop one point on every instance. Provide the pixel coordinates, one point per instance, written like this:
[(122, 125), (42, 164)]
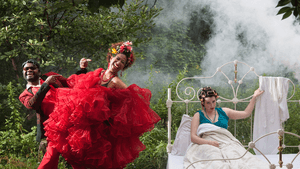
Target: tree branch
[(15, 67), (154, 3), (54, 18), (60, 18), (77, 52), (75, 17), (48, 21), (27, 7)]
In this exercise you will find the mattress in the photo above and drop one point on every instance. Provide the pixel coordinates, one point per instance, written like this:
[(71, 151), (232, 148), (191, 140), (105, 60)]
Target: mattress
[(176, 162)]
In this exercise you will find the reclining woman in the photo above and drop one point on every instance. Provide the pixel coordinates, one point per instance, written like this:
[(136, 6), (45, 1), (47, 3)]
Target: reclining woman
[(211, 139)]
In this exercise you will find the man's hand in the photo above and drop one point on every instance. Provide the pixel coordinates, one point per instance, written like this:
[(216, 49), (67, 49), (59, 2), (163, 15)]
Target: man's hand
[(51, 79)]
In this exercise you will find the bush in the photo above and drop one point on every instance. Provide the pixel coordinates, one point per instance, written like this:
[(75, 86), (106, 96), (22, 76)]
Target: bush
[(155, 155)]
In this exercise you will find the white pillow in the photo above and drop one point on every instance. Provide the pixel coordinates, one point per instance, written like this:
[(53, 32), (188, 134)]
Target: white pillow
[(183, 136)]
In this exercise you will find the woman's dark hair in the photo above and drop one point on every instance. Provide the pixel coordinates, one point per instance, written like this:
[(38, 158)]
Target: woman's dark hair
[(129, 55), (207, 92)]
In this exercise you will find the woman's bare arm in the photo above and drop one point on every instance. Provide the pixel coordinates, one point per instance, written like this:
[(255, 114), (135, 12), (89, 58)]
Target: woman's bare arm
[(234, 114), (117, 83), (196, 139)]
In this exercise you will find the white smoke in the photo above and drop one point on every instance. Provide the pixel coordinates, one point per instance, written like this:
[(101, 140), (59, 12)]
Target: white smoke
[(268, 41), (247, 31), (265, 41)]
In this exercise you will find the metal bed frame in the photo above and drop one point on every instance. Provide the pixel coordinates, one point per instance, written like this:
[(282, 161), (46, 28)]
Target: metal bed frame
[(234, 100)]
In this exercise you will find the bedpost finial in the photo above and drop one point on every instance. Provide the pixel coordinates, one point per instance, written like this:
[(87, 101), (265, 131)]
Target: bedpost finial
[(251, 145), (272, 166), (289, 166), (280, 132)]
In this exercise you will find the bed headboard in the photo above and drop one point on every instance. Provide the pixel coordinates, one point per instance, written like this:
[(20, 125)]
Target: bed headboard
[(189, 94)]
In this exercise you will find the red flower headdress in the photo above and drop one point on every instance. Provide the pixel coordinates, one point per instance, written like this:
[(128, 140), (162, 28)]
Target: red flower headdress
[(126, 49)]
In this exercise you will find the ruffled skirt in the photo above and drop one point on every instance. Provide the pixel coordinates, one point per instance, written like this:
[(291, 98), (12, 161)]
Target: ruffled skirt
[(100, 127)]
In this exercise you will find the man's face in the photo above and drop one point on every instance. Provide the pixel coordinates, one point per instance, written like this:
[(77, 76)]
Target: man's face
[(30, 72)]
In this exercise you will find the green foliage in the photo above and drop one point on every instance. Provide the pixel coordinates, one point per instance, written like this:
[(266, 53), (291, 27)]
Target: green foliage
[(27, 162), (289, 7), (17, 162), (155, 155), (201, 24), (18, 148), (59, 33), (171, 49), (93, 5), (292, 122), (15, 140)]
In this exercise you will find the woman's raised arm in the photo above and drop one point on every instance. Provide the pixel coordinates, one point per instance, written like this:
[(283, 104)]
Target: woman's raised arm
[(234, 114)]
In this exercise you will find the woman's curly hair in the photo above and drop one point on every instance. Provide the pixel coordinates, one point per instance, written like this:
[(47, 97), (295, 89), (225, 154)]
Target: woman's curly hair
[(207, 92), (123, 48)]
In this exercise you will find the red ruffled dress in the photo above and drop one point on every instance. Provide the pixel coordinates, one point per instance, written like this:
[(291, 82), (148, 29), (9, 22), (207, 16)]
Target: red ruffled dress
[(95, 126)]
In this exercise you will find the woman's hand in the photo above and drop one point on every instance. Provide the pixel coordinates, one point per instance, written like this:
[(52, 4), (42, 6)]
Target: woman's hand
[(84, 63), (213, 143), (257, 92)]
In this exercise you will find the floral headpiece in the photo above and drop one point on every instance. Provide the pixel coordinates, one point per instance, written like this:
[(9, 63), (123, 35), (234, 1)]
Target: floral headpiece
[(125, 49), (207, 92)]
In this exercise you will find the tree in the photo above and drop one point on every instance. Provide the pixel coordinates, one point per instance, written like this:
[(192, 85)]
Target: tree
[(58, 33), (172, 49)]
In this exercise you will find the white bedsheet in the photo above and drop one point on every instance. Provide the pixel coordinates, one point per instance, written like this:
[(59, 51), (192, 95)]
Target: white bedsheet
[(176, 162), (229, 147)]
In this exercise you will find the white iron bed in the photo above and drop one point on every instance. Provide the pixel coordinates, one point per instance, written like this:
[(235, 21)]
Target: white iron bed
[(175, 159)]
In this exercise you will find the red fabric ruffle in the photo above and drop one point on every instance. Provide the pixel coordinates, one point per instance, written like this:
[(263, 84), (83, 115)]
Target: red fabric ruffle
[(99, 127)]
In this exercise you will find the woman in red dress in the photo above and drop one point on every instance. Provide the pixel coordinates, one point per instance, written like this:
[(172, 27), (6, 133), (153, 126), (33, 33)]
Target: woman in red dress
[(97, 122)]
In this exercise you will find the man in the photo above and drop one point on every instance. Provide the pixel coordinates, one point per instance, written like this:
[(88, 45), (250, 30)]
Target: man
[(32, 97)]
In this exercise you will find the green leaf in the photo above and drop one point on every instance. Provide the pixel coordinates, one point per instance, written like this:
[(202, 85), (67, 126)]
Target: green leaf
[(283, 2), (283, 10), (296, 12), (287, 14)]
